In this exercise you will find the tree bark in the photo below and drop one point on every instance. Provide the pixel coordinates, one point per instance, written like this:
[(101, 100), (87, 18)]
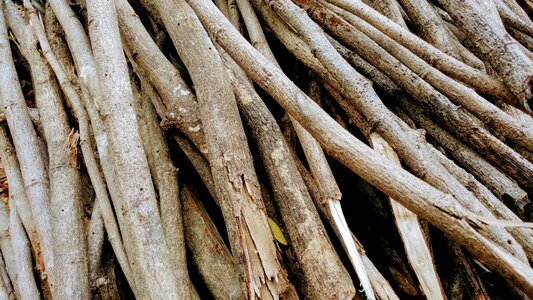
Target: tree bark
[(25, 280), (148, 254), (234, 177), (25, 140), (323, 273), (65, 189), (340, 144), (498, 48), (210, 254), (165, 176), (178, 99), (478, 80)]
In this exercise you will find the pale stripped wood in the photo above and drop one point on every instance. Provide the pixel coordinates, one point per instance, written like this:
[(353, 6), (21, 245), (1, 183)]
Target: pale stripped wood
[(414, 240)]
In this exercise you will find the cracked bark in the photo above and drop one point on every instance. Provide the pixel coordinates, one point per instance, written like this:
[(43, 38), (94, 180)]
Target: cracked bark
[(148, 253), (323, 274), (25, 140), (344, 147), (209, 252), (235, 180)]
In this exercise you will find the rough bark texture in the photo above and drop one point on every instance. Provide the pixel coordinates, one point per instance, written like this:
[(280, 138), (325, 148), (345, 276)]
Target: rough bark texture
[(234, 177), (494, 118), (495, 150), (65, 189), (95, 241), (148, 254), (416, 244), (496, 45), (16, 189), (385, 123), (480, 81), (178, 99), (25, 140), (243, 91), (6, 290), (64, 70), (8, 252), (429, 25), (165, 176), (524, 236), (324, 276), (500, 184), (210, 254), (24, 278), (504, 187), (397, 183)]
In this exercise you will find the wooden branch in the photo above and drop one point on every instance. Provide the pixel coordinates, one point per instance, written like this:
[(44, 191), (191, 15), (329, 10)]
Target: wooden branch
[(149, 253), (481, 82), (72, 270), (425, 201), (25, 280), (165, 176), (210, 254), (178, 99), (70, 91), (415, 242), (235, 180), (25, 140), (322, 271)]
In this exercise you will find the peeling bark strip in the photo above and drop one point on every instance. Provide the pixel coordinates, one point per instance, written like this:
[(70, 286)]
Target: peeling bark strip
[(65, 190), (330, 192), (415, 242), (148, 254), (323, 273), (381, 286), (209, 252), (233, 173), (427, 202), (301, 223)]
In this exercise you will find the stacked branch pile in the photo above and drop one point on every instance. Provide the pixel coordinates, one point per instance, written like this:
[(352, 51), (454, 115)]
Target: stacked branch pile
[(266, 149)]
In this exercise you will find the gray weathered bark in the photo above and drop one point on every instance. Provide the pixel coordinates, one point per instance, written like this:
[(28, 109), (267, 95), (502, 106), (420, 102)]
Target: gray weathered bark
[(483, 26), (210, 254), (422, 200), (234, 177), (148, 253), (25, 140), (25, 280)]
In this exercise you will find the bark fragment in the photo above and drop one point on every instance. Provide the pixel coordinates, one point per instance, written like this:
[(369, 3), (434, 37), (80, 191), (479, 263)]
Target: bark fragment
[(353, 152)]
